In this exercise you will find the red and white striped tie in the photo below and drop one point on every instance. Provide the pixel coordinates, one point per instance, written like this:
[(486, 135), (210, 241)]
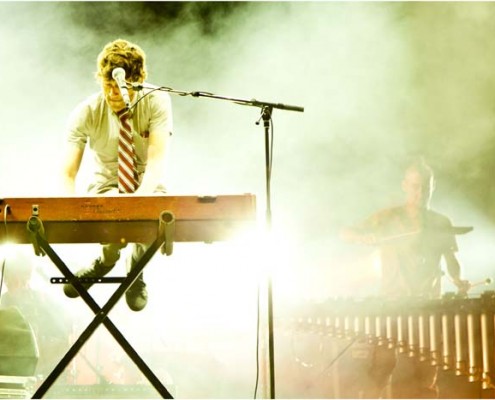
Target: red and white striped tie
[(128, 176)]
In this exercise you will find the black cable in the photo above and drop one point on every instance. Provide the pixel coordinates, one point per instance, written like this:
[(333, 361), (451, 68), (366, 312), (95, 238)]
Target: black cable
[(335, 359), (146, 94), (330, 364), (257, 341), (3, 274)]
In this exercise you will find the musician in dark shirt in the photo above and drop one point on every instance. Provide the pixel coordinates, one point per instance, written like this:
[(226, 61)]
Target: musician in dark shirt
[(412, 239)]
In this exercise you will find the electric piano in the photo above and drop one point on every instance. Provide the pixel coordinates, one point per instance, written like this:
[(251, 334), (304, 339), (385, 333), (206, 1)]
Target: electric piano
[(121, 219), (159, 220)]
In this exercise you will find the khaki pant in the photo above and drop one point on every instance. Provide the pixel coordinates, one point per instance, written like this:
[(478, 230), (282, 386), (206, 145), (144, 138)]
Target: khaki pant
[(110, 253)]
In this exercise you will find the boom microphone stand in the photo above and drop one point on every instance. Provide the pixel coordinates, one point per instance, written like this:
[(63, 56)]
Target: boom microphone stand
[(266, 116)]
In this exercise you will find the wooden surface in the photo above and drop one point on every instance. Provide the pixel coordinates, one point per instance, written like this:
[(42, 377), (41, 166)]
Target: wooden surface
[(126, 218)]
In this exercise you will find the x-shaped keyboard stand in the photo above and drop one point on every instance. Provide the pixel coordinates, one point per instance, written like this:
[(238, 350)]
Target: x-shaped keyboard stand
[(163, 241)]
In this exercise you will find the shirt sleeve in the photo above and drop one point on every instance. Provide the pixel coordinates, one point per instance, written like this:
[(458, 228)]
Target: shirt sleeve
[(161, 113), (78, 126)]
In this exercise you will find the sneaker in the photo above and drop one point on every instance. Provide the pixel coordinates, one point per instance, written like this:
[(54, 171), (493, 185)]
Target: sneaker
[(97, 270), (137, 295)]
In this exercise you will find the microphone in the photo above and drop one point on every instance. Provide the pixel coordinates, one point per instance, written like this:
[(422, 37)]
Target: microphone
[(118, 74)]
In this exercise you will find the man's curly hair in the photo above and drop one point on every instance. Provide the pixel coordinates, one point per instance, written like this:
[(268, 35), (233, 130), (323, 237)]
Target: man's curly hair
[(124, 54)]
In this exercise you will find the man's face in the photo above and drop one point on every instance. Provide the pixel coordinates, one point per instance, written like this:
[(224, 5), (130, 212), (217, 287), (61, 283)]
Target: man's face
[(418, 189), (113, 96)]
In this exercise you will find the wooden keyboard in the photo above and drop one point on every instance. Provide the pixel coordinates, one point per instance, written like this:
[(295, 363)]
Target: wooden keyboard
[(131, 219)]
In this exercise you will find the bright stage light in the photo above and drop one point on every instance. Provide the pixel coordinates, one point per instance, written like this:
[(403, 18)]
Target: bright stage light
[(7, 250)]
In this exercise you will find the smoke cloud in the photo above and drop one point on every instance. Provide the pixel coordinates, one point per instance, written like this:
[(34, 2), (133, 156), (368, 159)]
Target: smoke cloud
[(380, 83)]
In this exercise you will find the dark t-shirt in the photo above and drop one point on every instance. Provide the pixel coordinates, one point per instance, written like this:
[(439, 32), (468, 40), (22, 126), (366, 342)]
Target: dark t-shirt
[(411, 254)]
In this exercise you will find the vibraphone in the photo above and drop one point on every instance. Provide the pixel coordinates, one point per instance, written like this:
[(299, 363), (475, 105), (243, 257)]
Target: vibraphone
[(453, 333)]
